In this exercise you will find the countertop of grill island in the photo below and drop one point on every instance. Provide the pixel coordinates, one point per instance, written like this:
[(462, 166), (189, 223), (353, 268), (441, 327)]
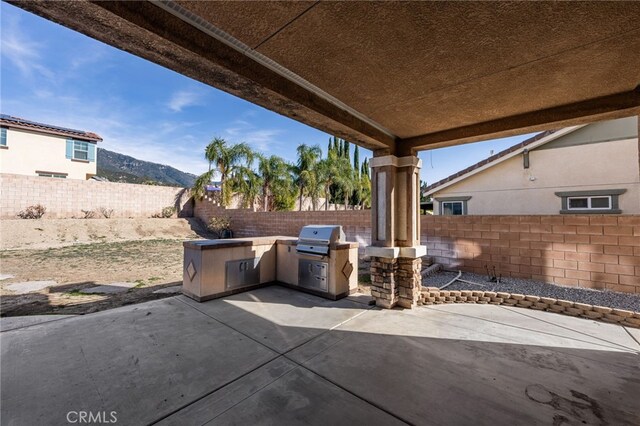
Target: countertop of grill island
[(238, 242), (255, 241)]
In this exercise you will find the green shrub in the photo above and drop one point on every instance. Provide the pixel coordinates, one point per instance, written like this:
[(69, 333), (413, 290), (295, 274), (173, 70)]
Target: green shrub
[(218, 225), (169, 211), (166, 213)]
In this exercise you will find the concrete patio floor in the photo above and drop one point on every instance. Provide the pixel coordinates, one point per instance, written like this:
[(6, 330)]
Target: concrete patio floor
[(277, 356)]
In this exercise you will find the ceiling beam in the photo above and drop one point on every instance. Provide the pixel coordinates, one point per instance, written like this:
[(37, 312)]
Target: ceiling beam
[(604, 108), (157, 35)]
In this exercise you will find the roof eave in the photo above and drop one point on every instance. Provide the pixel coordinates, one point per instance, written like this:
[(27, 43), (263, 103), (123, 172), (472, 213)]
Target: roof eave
[(90, 137)]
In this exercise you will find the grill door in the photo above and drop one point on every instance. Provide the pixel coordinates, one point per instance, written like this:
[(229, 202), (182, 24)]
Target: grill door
[(313, 275)]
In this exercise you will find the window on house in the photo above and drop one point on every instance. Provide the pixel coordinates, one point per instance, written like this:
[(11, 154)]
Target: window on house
[(592, 203), (43, 173), (52, 175), (80, 150), (452, 208), (597, 201), (3, 136)]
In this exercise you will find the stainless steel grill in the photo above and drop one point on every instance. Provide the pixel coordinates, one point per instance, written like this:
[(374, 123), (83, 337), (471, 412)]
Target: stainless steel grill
[(317, 240)]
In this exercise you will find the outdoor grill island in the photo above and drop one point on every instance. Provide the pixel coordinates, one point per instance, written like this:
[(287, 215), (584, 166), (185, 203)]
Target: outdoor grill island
[(319, 261)]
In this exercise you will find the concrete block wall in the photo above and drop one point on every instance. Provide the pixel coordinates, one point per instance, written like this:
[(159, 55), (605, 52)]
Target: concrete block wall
[(592, 251), (66, 198), (250, 223)]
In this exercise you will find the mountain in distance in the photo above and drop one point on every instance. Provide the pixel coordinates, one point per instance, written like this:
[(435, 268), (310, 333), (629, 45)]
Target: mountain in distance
[(117, 167)]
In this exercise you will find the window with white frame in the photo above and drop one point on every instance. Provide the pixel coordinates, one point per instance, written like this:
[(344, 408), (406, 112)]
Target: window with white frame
[(80, 150), (452, 208), (55, 175), (589, 203), (597, 201), (3, 136)]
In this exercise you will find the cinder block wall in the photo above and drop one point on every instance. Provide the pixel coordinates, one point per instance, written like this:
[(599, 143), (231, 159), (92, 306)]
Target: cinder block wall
[(593, 251), (65, 198), (249, 223)]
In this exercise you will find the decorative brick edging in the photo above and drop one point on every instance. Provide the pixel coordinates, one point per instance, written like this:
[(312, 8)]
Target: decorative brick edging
[(435, 296)]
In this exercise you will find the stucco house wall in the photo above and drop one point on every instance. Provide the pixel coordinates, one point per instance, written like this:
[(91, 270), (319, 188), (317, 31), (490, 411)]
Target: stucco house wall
[(596, 157), (29, 152)]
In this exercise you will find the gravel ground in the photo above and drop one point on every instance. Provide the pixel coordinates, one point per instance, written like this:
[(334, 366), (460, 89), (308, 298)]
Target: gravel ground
[(536, 288)]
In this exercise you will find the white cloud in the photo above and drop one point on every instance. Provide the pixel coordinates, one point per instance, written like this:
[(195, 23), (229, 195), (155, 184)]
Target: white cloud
[(184, 98), (89, 57), (184, 155), (263, 140), (128, 130), (22, 52), (162, 142)]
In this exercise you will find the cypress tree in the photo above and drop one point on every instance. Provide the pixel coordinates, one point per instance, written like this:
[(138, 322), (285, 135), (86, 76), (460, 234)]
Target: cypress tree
[(347, 152), (356, 160), (365, 166)]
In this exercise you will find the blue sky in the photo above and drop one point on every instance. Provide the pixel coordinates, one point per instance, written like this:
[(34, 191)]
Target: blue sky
[(56, 76)]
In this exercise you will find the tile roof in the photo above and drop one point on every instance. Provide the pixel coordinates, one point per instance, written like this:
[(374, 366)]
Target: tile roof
[(491, 159), (10, 121)]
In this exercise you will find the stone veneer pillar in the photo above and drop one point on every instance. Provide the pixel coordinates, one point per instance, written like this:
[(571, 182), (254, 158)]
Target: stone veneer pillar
[(396, 281), (395, 248)]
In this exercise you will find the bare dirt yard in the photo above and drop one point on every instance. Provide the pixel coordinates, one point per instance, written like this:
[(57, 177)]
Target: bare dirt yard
[(77, 255), (55, 266)]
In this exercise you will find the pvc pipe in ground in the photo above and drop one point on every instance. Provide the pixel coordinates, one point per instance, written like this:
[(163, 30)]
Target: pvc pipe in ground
[(471, 282), (452, 281)]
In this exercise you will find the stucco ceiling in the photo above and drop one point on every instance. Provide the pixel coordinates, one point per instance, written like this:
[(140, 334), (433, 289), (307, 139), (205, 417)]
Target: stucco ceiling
[(394, 76)]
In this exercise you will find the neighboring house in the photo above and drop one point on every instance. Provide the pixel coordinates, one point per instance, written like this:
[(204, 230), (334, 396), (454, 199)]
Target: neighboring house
[(594, 168), (36, 149)]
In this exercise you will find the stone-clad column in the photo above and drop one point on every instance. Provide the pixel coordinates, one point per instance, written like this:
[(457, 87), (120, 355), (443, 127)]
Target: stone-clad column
[(395, 235), (383, 281)]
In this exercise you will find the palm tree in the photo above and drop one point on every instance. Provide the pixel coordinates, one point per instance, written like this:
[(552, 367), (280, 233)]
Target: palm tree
[(247, 183), (314, 187), (305, 170), (327, 173), (285, 190), (200, 184), (277, 183), (226, 159)]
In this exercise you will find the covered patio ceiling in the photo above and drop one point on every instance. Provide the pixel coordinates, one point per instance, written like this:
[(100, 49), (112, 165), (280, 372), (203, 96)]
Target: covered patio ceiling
[(394, 77)]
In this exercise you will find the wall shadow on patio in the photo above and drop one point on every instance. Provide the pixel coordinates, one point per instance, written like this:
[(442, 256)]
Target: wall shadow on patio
[(58, 301)]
